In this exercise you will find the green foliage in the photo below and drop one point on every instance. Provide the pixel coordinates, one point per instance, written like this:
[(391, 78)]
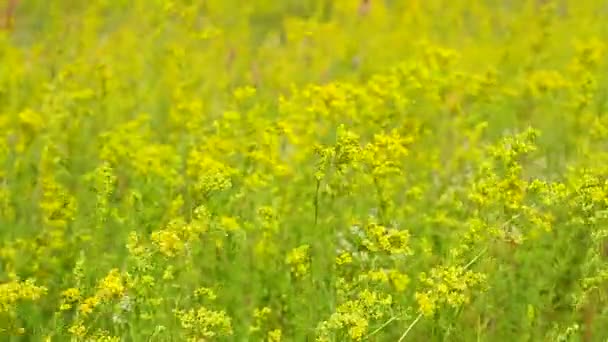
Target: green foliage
[(340, 170)]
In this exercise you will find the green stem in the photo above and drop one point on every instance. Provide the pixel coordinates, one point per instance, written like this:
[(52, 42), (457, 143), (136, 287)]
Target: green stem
[(381, 327), (316, 201), (407, 331)]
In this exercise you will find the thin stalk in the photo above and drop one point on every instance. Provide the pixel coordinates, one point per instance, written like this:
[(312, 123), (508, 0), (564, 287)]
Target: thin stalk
[(316, 201), (381, 327), (469, 264), (407, 331)]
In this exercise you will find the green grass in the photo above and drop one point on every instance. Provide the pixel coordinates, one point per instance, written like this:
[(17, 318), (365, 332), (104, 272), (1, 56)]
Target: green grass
[(303, 170)]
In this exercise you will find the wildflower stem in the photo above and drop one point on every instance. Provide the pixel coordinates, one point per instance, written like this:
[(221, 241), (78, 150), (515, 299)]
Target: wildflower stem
[(381, 202), (316, 201), (407, 331), (470, 263), (381, 327)]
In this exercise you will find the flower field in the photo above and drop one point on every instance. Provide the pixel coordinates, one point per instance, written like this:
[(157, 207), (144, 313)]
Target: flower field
[(304, 170)]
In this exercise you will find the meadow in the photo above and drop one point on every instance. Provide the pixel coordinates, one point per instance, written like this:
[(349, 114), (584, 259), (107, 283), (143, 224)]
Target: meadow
[(304, 170)]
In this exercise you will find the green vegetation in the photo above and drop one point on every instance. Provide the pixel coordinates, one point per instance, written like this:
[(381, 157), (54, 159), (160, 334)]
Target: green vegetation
[(304, 170)]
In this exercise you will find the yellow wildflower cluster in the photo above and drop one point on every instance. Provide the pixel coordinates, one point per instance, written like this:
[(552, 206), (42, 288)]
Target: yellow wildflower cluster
[(204, 323), (299, 260), (12, 294), (14, 291), (262, 323), (449, 285), (354, 316)]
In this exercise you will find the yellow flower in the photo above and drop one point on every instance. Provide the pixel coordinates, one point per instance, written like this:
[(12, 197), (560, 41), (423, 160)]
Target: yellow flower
[(344, 258), (15, 291), (230, 224), (299, 260), (87, 306), (78, 329), (71, 295), (274, 335), (425, 303), (168, 242), (111, 286), (204, 323)]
